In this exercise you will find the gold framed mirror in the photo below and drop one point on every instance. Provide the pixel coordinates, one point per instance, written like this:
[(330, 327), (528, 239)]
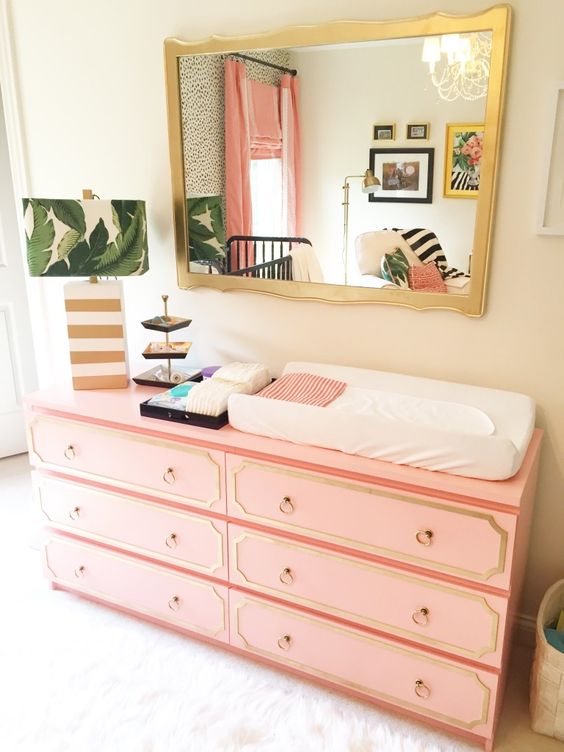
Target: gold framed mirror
[(418, 101)]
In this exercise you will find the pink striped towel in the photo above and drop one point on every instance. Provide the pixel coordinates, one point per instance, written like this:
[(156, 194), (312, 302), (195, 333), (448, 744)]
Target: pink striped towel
[(305, 388)]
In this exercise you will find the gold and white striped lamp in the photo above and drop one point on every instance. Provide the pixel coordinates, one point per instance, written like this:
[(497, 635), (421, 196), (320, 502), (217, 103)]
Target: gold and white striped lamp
[(90, 238), (95, 323)]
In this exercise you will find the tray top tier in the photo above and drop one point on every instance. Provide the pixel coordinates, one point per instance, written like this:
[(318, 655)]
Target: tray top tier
[(166, 323)]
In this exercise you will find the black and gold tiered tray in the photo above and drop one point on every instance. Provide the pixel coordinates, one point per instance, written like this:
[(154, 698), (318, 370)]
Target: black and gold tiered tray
[(165, 375)]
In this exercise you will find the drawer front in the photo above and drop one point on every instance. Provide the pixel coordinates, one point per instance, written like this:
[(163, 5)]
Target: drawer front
[(464, 541), (173, 536), (176, 471), (456, 620), (440, 689), (179, 599)]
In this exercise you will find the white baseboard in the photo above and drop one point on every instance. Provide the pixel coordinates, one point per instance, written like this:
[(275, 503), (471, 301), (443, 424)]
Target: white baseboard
[(525, 627)]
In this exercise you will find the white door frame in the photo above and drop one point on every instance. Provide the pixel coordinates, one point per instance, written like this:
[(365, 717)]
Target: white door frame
[(25, 380), (45, 364), (11, 102)]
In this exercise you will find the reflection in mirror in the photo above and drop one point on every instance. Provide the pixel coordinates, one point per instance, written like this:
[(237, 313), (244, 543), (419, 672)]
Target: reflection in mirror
[(276, 143)]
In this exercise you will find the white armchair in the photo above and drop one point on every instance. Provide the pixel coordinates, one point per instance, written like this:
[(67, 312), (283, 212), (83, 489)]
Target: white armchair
[(370, 247)]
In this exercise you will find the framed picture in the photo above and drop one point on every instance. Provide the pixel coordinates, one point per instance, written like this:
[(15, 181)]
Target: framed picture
[(551, 221), (384, 132), (463, 158), (405, 175), (418, 131)]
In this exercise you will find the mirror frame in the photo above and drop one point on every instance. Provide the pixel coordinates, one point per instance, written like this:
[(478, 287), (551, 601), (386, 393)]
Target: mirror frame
[(496, 19)]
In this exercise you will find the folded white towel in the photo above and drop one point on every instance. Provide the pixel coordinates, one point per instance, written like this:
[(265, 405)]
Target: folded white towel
[(255, 375), (210, 396)]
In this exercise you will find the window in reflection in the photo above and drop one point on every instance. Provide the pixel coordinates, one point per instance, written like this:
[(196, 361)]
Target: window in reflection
[(266, 196)]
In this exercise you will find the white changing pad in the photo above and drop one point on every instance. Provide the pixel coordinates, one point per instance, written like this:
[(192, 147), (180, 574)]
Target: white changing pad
[(418, 411), (437, 425)]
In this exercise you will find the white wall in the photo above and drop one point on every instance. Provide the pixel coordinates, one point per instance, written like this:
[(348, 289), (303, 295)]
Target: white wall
[(94, 115), (342, 94)]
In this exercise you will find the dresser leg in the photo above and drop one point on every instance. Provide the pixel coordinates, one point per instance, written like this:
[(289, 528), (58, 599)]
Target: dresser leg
[(52, 585), (488, 745)]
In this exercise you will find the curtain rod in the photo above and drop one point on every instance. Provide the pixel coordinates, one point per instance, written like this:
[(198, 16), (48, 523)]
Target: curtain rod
[(291, 71)]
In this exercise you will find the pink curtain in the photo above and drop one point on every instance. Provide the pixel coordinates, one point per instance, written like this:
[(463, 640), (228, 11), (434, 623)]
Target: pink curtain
[(264, 120), (291, 155), (237, 152), (261, 122)]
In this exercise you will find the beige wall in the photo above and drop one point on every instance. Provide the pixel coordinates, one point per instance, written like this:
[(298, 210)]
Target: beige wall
[(93, 112)]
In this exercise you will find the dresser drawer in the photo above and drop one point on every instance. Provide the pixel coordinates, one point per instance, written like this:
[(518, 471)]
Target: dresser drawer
[(456, 620), (461, 540), (176, 471), (170, 535), (179, 599), (436, 688)]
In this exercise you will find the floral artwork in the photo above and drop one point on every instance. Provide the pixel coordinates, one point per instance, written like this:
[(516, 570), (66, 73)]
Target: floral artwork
[(464, 146)]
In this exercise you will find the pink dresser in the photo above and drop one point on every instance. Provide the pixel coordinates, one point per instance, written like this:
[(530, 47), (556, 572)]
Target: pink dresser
[(396, 584)]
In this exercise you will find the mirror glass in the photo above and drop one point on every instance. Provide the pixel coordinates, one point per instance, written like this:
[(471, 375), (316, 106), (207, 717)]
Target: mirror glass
[(270, 144)]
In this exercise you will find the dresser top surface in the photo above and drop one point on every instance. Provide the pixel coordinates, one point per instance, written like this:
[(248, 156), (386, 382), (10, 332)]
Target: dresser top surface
[(119, 408)]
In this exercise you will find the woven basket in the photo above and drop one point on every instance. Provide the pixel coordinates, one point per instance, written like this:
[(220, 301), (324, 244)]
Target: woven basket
[(547, 675)]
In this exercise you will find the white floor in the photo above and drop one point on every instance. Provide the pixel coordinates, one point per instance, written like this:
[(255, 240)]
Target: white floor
[(78, 676)]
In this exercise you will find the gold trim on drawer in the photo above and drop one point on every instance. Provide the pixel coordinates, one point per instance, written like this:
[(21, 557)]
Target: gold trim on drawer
[(393, 629), (139, 609), (176, 560), (125, 435), (361, 687), (292, 527)]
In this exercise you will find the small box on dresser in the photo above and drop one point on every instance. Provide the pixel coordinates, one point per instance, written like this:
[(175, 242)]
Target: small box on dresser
[(395, 584)]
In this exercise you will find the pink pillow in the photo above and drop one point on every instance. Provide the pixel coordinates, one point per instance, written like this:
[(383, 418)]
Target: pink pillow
[(426, 278)]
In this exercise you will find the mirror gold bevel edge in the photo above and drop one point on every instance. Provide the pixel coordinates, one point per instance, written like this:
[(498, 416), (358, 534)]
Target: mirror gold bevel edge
[(496, 19)]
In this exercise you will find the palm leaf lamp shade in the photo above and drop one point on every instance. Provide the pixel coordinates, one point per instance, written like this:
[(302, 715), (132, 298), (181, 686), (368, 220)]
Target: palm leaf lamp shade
[(206, 231), (90, 238)]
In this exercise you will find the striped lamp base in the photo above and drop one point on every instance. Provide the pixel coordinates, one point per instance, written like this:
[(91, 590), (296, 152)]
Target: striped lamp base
[(96, 328)]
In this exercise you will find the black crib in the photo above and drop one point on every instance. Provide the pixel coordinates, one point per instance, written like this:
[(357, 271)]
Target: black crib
[(271, 256)]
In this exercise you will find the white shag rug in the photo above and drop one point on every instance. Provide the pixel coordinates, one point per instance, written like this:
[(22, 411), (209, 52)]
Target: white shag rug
[(77, 676)]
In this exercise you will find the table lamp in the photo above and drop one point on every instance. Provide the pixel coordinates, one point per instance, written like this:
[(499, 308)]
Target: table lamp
[(90, 238)]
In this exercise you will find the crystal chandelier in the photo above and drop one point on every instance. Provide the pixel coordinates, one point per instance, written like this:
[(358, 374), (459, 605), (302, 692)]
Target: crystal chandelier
[(459, 64)]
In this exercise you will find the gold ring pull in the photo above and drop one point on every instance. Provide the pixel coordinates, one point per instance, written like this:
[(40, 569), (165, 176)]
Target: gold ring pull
[(421, 616), (174, 603), (79, 571), (286, 505), (168, 476), (422, 690), (286, 576), (70, 452), (425, 537), (285, 642), (74, 514), (171, 541)]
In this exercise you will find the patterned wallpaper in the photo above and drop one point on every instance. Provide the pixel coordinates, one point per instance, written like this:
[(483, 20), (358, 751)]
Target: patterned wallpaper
[(202, 101)]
